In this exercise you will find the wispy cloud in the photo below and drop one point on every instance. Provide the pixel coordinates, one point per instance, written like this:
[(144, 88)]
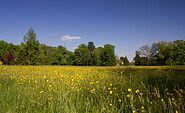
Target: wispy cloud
[(70, 38)]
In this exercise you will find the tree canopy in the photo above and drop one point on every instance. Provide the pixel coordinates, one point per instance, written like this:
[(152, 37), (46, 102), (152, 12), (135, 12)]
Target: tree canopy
[(162, 53), (31, 52)]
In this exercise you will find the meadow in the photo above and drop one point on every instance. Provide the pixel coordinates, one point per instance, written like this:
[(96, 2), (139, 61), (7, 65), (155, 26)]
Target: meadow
[(69, 89)]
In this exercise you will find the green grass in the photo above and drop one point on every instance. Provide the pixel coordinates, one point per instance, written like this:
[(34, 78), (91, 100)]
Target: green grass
[(92, 89)]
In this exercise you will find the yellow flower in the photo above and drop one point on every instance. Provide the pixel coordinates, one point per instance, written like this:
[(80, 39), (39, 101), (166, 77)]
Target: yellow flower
[(129, 90), (110, 84), (142, 107), (110, 104), (114, 88), (119, 100), (103, 108), (110, 92), (137, 91), (134, 111), (151, 102), (162, 100), (41, 92), (91, 83), (176, 111), (93, 90), (128, 96), (173, 99)]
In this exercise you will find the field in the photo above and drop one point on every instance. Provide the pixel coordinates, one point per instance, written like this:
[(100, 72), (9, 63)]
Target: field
[(92, 89)]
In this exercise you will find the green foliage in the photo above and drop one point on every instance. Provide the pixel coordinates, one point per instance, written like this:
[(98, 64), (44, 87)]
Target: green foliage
[(179, 52), (30, 46), (108, 57), (163, 53), (31, 52), (82, 55), (124, 61), (61, 56), (91, 46), (6, 48), (96, 56)]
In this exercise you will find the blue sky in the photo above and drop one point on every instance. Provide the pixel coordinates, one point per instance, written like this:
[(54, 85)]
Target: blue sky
[(127, 24)]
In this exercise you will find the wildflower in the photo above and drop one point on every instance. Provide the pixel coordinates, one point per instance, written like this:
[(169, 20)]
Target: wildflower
[(129, 90), (87, 98), (151, 102), (134, 111), (162, 100), (41, 92), (137, 91), (142, 107), (176, 111), (173, 99), (128, 96), (108, 88), (110, 104), (181, 90), (141, 94), (91, 83), (110, 92), (103, 108), (114, 88), (119, 100), (93, 90), (110, 84)]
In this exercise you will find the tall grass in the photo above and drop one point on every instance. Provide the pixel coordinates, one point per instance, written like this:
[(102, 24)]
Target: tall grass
[(92, 89)]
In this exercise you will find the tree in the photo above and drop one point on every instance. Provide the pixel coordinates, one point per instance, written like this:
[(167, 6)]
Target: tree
[(82, 55), (6, 48), (9, 59), (91, 46), (161, 53), (137, 58), (108, 57), (145, 51), (31, 47), (179, 52), (61, 56), (96, 56), (126, 62)]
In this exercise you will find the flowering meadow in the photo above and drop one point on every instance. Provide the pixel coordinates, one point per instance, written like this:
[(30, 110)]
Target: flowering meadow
[(69, 89)]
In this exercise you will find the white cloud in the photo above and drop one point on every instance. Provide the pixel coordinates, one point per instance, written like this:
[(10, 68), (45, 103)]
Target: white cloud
[(99, 45), (70, 38)]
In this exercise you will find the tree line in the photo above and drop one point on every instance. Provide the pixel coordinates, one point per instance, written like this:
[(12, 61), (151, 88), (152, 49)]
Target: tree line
[(31, 52), (161, 53)]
